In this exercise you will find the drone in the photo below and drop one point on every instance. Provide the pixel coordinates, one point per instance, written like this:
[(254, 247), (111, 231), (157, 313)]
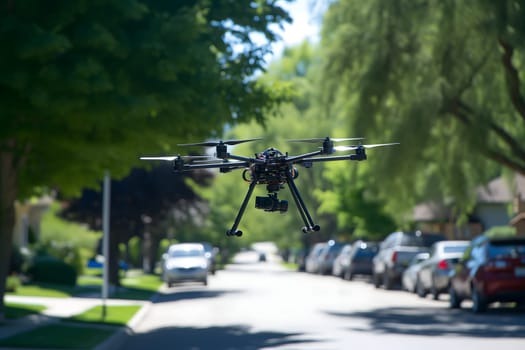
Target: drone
[(270, 167)]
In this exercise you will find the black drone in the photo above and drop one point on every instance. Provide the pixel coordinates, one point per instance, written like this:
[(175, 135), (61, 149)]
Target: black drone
[(270, 167)]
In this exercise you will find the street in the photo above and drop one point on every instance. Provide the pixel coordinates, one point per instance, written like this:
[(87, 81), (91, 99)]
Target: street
[(260, 305)]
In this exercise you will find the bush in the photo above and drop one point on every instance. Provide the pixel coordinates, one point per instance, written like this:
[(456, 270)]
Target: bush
[(65, 251), (135, 251), (48, 269), (13, 282)]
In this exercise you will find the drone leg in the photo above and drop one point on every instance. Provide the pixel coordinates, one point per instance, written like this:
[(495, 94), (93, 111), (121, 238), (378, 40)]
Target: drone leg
[(233, 231), (305, 215)]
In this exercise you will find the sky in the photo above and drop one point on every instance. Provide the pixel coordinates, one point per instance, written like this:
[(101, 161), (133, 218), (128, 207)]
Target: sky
[(304, 26)]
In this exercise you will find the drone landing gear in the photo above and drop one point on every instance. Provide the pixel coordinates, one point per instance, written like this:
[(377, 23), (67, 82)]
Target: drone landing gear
[(233, 231), (310, 226)]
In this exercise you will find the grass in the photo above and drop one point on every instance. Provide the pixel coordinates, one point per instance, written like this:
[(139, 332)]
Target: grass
[(49, 290), (14, 310), (138, 286), (118, 315), (290, 266), (59, 336)]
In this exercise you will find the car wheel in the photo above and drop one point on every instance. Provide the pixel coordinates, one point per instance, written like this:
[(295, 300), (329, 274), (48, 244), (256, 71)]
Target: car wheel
[(479, 303), (420, 290), (387, 281), (433, 290), (454, 299), (170, 284), (376, 280)]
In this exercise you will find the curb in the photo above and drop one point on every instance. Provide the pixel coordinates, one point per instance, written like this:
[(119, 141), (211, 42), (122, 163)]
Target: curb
[(117, 340)]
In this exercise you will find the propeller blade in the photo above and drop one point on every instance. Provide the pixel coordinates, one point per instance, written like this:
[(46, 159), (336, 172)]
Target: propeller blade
[(171, 158), (167, 158), (216, 143), (321, 139), (351, 148)]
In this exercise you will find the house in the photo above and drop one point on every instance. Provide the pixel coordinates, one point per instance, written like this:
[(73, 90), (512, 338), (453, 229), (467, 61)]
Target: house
[(28, 215), (493, 208)]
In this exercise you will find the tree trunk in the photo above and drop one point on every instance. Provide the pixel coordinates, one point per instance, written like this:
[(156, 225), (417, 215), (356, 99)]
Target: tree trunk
[(7, 219)]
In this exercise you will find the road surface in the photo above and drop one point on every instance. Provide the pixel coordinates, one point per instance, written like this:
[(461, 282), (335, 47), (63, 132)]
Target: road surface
[(260, 305)]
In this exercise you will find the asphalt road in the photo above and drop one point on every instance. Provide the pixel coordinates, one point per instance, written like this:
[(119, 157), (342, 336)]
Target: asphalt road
[(253, 305)]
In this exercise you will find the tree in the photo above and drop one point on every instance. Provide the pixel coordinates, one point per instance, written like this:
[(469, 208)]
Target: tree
[(144, 201), (88, 86), (443, 78)]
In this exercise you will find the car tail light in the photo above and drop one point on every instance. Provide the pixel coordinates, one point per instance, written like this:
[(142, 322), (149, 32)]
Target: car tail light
[(442, 265), (394, 257)]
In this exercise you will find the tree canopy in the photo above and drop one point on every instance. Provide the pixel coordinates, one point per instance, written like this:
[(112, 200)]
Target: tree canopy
[(443, 78), (88, 86)]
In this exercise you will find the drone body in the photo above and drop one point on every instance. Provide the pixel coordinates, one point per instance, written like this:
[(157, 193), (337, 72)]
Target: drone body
[(272, 168)]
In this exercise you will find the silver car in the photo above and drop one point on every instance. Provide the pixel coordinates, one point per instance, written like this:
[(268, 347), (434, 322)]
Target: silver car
[(434, 275), (185, 262)]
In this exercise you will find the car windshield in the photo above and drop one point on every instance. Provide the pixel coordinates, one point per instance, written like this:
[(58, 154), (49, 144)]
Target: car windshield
[(422, 240), (455, 249), (511, 249), (185, 253)]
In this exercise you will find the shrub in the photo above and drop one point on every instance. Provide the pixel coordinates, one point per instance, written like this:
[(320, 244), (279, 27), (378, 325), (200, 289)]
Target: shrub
[(13, 282), (65, 251), (49, 269), (135, 251)]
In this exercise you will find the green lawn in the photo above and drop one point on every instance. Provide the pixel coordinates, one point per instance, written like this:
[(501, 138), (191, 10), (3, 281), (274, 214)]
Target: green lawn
[(49, 290), (115, 314), (59, 336), (14, 310)]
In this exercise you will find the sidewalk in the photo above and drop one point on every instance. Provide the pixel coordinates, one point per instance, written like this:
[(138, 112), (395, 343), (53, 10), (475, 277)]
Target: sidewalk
[(58, 308)]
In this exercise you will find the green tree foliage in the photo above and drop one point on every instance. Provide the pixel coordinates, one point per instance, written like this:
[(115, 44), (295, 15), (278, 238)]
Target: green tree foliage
[(444, 78), (87, 86)]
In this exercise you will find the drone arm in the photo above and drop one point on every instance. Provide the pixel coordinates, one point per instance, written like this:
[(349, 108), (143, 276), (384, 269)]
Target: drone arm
[(296, 159), (245, 159), (357, 157), (188, 167)]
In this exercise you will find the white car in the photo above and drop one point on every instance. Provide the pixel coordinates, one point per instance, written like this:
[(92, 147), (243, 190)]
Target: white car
[(185, 262)]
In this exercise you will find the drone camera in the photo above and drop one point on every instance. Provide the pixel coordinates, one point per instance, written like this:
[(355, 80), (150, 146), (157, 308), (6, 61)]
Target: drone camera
[(271, 203)]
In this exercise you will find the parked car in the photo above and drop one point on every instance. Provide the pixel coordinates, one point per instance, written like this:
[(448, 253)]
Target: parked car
[(342, 260), (211, 254), (327, 257), (361, 259), (185, 262), (433, 275), (312, 259), (395, 253), (491, 270), (409, 277)]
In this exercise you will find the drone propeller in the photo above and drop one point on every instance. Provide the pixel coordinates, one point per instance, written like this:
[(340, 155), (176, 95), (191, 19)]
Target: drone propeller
[(316, 140), (172, 158), (217, 143), (351, 148)]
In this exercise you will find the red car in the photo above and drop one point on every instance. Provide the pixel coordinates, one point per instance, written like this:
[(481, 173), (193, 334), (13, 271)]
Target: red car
[(491, 270)]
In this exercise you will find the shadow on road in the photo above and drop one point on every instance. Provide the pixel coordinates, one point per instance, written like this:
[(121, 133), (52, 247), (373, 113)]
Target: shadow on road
[(189, 294), (212, 338), (495, 323)]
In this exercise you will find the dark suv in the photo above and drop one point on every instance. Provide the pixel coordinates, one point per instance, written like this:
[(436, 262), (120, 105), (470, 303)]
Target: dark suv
[(395, 253), (491, 269)]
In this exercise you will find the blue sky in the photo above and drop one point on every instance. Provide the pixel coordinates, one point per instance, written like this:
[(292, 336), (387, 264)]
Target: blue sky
[(305, 14)]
